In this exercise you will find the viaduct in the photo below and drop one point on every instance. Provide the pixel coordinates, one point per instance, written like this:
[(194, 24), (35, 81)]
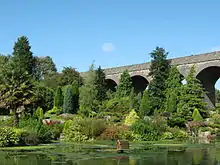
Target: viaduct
[(207, 71)]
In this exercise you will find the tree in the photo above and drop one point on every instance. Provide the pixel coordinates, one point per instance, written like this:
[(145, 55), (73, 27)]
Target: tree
[(44, 67), (100, 84), (68, 76), (16, 90), (159, 70), (196, 115), (145, 106), (52, 80), (88, 93), (125, 84), (68, 100), (172, 91), (23, 57), (75, 89), (58, 98), (217, 94), (191, 97)]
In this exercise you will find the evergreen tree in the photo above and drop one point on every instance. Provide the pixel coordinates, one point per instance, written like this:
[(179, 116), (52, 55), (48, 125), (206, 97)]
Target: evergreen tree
[(88, 93), (58, 98), (191, 97), (75, 89), (196, 116), (22, 56), (159, 71), (173, 85), (68, 100), (125, 84), (145, 106), (100, 84)]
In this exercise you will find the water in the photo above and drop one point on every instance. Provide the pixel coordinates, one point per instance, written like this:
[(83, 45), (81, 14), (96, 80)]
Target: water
[(75, 155)]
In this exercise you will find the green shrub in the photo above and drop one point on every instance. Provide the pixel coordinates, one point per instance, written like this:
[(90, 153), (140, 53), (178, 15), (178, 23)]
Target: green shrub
[(57, 129), (53, 111), (34, 127), (39, 113), (178, 133), (131, 118), (167, 136), (149, 129), (8, 137), (216, 118), (196, 115)]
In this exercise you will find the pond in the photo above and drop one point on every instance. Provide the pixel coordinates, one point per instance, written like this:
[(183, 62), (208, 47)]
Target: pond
[(139, 154)]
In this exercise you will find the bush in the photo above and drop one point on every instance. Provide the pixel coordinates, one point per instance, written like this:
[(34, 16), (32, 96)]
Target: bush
[(37, 128), (8, 137), (178, 133), (39, 113), (57, 129), (53, 111), (216, 118), (196, 115), (167, 136), (149, 129), (131, 118)]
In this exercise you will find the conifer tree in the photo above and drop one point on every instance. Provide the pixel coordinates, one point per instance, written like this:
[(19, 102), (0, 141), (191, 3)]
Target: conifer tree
[(145, 106), (88, 93), (172, 91), (191, 97), (75, 89), (125, 84), (159, 70), (100, 84), (23, 57), (196, 116), (58, 98), (68, 100)]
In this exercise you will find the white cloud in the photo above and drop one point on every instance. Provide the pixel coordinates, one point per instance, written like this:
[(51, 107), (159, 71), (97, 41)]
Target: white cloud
[(217, 48), (108, 47)]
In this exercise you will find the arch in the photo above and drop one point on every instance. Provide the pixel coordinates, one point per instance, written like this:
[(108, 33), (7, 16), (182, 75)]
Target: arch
[(208, 77), (111, 84), (139, 83)]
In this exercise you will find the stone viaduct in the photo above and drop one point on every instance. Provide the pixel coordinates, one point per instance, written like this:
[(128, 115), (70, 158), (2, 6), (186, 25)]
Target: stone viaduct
[(207, 71)]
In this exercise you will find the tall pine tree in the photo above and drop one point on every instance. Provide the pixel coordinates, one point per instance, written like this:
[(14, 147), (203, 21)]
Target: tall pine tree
[(172, 91), (68, 100), (58, 98), (23, 57), (145, 106), (125, 84), (191, 97), (100, 84), (75, 89), (159, 71)]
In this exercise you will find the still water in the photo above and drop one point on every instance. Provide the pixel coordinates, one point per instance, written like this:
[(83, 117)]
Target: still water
[(71, 155)]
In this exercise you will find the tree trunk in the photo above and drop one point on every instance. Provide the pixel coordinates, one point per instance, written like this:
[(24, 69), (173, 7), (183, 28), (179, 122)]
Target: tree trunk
[(16, 118)]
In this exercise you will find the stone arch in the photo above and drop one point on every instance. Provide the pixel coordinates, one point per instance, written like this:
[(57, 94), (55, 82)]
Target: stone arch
[(139, 83), (208, 75), (111, 84)]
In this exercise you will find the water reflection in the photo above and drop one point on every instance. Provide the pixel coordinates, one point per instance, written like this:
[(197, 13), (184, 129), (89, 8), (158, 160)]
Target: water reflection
[(192, 156)]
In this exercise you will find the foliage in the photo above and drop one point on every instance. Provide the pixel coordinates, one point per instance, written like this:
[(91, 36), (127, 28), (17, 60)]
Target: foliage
[(159, 69), (8, 137), (43, 97), (68, 100), (135, 100), (131, 118), (125, 84), (58, 98), (172, 91), (174, 133), (23, 57), (75, 89), (88, 93), (39, 114), (196, 115), (68, 76), (176, 119), (191, 97), (37, 128), (44, 67), (100, 84), (217, 94), (149, 129), (145, 105), (53, 111)]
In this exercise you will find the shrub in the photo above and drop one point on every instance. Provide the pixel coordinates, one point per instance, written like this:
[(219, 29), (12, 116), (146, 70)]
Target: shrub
[(216, 118), (53, 111), (178, 133), (39, 113), (110, 133), (196, 115), (131, 118), (8, 137), (149, 129), (57, 129), (167, 136), (35, 127)]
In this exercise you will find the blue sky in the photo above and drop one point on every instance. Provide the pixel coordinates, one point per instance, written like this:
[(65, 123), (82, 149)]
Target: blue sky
[(110, 32)]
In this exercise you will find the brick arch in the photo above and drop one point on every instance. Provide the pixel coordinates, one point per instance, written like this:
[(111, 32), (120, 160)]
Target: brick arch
[(139, 83)]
